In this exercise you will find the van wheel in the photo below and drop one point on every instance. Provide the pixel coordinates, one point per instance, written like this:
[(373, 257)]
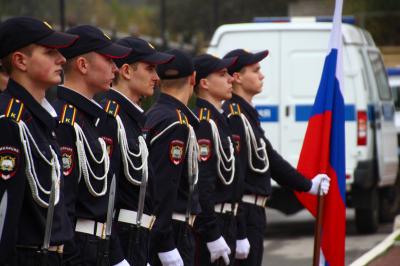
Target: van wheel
[(389, 202), (367, 218)]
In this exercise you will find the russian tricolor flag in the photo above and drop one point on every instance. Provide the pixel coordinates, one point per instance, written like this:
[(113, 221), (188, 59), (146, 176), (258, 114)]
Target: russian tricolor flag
[(324, 150)]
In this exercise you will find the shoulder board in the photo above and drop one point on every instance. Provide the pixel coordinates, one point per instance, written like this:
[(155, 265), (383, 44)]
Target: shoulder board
[(204, 114), (68, 114), (182, 117), (14, 109), (112, 108), (234, 108)]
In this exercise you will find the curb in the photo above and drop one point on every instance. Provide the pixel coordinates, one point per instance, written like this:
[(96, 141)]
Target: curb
[(381, 247)]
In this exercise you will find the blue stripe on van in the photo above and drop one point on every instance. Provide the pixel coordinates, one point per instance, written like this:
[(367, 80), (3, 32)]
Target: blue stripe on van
[(302, 112), (268, 113)]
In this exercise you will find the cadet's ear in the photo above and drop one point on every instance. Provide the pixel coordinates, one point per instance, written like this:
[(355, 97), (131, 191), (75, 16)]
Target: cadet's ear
[(81, 64), (204, 83), (237, 77), (125, 71), (19, 61)]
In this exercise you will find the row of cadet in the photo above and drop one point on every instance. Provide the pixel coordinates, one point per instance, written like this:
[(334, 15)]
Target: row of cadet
[(87, 183)]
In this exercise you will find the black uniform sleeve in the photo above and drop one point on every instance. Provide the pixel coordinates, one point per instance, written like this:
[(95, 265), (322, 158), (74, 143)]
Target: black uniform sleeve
[(166, 182), (12, 183), (284, 173), (206, 221), (66, 140)]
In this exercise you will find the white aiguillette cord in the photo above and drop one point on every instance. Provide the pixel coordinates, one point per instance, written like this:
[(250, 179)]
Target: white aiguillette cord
[(222, 158), (84, 165)]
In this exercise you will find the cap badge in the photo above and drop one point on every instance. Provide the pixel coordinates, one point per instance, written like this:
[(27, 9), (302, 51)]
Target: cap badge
[(108, 37), (151, 46), (47, 24)]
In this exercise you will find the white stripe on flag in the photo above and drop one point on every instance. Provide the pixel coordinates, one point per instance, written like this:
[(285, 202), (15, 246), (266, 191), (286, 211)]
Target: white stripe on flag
[(336, 41)]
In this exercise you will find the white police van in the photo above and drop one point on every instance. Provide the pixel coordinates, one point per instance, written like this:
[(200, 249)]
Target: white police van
[(292, 74)]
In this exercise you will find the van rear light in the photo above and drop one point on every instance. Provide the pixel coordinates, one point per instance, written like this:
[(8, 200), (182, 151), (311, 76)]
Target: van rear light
[(362, 121)]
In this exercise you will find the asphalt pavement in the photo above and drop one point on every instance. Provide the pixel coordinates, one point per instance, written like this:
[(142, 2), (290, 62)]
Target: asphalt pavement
[(289, 239)]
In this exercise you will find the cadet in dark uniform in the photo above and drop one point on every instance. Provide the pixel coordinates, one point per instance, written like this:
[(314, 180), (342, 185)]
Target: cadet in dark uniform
[(29, 154), (137, 78), (219, 180), (259, 161), (89, 70), (173, 156)]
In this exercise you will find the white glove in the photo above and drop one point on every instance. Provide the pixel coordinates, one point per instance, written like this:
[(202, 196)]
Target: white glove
[(322, 179), (218, 249), (242, 249), (122, 263), (171, 258)]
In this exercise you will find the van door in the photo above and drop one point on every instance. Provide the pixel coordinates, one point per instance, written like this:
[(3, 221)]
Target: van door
[(383, 112), (299, 85)]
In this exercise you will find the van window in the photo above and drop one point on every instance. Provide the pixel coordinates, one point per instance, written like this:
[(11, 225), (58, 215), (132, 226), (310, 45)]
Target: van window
[(396, 96), (380, 76)]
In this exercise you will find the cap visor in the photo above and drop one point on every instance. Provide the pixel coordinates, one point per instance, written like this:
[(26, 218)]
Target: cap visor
[(58, 40), (158, 58), (257, 57), (114, 51)]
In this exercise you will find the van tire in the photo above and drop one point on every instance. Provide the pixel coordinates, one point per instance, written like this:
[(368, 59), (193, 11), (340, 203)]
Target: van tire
[(367, 218), (389, 202)]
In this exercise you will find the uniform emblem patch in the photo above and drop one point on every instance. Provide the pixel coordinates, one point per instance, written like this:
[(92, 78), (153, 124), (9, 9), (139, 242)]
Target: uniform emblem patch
[(176, 151), (109, 144), (67, 155), (204, 149), (8, 161), (236, 142)]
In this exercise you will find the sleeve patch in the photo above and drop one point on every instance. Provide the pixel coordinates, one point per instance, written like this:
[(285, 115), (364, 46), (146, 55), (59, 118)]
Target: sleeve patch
[(236, 142), (68, 114), (67, 157), (176, 151), (15, 109), (112, 108), (9, 160), (204, 149)]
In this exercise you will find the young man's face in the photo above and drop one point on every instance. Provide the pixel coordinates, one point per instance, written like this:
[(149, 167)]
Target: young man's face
[(143, 79), (252, 79), (220, 85), (101, 72), (43, 66)]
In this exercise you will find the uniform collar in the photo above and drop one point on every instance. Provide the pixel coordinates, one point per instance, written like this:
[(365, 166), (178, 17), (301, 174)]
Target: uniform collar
[(35, 108), (215, 113), (127, 105), (81, 102), (244, 105), (169, 100)]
